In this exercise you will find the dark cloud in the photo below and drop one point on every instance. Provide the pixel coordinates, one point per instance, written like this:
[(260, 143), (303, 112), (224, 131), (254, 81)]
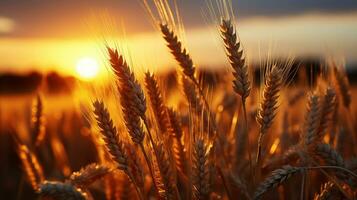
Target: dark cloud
[(66, 18)]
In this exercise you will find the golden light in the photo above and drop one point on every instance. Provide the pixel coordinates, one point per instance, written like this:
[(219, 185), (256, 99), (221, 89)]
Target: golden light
[(274, 147), (87, 68)]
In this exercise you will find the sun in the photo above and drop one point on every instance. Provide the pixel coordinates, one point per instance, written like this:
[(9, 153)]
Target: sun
[(87, 68)]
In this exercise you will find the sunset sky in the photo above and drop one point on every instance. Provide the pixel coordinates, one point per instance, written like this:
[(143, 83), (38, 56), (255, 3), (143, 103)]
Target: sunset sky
[(51, 34)]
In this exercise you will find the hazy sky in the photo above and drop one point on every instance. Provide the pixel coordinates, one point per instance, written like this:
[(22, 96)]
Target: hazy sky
[(30, 29), (47, 18)]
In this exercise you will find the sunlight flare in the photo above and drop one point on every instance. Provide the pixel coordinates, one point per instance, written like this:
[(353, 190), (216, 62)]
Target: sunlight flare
[(87, 68)]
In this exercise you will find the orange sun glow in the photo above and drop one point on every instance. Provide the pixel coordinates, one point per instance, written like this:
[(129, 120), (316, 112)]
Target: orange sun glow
[(87, 68)]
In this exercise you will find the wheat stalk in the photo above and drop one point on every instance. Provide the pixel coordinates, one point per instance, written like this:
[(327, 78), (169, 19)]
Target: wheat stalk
[(115, 146), (268, 106), (185, 61), (132, 98), (110, 136), (133, 103)]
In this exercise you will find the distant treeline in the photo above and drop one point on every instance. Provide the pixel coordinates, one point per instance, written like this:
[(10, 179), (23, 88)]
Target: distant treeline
[(52, 83), (303, 70)]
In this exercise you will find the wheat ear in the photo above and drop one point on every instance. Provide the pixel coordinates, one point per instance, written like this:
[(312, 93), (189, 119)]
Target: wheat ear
[(132, 98), (200, 171), (156, 100), (110, 136), (343, 86), (185, 61), (328, 191), (88, 174), (181, 55), (277, 177), (38, 132), (192, 96), (167, 173), (61, 191), (241, 83), (132, 101), (331, 157), (327, 109), (178, 146), (31, 166), (312, 119), (268, 106), (115, 146)]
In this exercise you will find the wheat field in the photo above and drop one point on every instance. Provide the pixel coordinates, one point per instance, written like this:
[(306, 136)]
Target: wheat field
[(185, 135)]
